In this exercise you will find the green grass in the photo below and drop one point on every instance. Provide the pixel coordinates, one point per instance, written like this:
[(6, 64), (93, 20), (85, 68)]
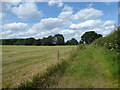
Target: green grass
[(21, 63), (93, 67)]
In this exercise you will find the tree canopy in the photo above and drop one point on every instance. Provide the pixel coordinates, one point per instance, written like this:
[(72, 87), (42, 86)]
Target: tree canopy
[(89, 37), (73, 41), (57, 39)]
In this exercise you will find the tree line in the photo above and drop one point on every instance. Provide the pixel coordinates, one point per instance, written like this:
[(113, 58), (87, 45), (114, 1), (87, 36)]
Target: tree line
[(57, 39)]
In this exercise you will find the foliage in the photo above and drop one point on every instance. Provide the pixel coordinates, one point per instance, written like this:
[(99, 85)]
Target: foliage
[(112, 41), (37, 42), (89, 37), (73, 41), (58, 39), (47, 41)]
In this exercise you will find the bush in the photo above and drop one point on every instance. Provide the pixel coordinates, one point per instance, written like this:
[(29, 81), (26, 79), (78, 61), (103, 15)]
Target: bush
[(110, 42)]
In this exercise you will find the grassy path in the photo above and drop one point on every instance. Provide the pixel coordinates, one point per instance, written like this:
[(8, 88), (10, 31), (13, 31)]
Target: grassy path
[(92, 68)]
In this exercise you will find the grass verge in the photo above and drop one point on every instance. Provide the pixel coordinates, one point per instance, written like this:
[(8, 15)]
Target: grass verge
[(93, 67)]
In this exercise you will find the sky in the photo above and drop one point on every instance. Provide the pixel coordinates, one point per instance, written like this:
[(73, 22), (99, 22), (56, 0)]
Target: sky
[(71, 19)]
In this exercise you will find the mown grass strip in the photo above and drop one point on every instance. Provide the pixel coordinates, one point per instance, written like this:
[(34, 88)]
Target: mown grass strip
[(50, 77)]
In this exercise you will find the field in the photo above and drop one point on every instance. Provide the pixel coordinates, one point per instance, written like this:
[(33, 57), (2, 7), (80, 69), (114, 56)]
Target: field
[(20, 63)]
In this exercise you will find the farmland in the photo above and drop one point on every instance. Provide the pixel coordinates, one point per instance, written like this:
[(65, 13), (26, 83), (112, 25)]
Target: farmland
[(20, 63), (92, 65)]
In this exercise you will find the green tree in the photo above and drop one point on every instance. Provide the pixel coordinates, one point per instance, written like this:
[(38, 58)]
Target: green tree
[(50, 40), (19, 42), (89, 37), (47, 40), (58, 39), (73, 41), (29, 41), (37, 42)]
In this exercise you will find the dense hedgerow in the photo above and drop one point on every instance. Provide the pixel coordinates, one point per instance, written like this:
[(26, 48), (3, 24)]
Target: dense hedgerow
[(111, 42)]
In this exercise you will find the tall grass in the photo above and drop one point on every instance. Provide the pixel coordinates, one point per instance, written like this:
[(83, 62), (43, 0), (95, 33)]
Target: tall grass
[(112, 42), (93, 67)]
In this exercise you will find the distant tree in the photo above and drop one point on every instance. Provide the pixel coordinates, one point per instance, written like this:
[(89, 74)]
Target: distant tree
[(89, 37), (37, 42), (29, 41), (58, 39), (19, 42), (47, 40), (43, 41), (8, 41), (73, 41), (0, 41), (50, 40)]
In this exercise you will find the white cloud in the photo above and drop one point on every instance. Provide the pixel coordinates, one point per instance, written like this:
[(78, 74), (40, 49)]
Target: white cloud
[(13, 29), (90, 5), (108, 23), (86, 25), (66, 12), (14, 26), (64, 31), (27, 33), (51, 23), (110, 27), (60, 4), (86, 14), (6, 32), (44, 33), (67, 8), (27, 11), (16, 30), (53, 2), (97, 29), (16, 2), (9, 5), (104, 33)]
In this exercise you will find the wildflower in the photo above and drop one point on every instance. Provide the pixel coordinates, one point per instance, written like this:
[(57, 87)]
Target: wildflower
[(117, 53), (111, 49)]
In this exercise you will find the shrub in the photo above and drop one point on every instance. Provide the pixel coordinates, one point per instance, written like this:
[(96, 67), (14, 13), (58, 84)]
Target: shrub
[(111, 42)]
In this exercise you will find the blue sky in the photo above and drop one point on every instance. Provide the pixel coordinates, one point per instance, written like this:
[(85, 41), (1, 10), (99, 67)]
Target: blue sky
[(72, 19)]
